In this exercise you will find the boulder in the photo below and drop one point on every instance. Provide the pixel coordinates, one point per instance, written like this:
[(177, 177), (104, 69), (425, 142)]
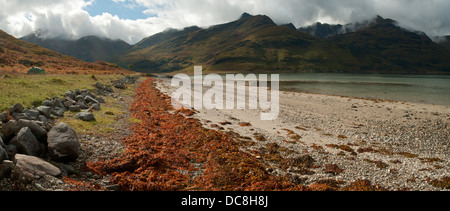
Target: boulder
[(19, 116), (42, 118), (36, 71), (100, 99), (48, 103), (96, 106), (4, 117), (3, 154), (86, 116), (16, 108), (29, 168), (2, 144), (10, 128), (70, 94), (11, 150), (45, 110), (39, 132), (6, 168), (26, 143), (90, 99), (33, 114), (75, 108), (63, 145)]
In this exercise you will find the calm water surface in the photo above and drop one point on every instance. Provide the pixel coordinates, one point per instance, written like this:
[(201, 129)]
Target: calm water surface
[(430, 89)]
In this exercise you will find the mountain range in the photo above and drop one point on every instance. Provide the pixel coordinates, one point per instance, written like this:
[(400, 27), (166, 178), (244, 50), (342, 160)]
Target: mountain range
[(19, 56), (256, 43)]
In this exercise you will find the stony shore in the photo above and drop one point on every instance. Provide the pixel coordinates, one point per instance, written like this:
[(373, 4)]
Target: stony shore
[(396, 145)]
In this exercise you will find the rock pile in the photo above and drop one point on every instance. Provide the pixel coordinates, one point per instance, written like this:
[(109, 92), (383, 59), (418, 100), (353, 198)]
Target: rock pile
[(121, 84), (28, 138)]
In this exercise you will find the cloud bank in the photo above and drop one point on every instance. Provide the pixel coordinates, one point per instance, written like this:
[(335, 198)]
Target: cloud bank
[(70, 19)]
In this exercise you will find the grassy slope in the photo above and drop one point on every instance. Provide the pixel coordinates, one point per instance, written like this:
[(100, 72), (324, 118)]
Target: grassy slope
[(19, 56), (32, 90), (248, 44), (255, 43)]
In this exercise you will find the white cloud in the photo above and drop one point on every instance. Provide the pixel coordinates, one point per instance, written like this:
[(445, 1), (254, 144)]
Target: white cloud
[(69, 17)]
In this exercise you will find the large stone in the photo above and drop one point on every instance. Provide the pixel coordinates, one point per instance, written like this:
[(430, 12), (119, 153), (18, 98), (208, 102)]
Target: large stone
[(39, 132), (3, 154), (86, 116), (36, 71), (10, 128), (63, 145), (6, 168), (26, 143), (90, 99), (34, 114), (16, 108), (45, 110), (75, 108), (4, 117), (29, 168)]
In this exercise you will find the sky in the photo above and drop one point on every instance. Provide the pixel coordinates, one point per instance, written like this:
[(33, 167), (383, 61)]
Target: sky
[(133, 20)]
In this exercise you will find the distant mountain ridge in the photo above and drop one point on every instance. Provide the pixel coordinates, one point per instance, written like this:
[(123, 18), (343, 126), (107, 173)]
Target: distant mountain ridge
[(256, 43), (19, 56), (90, 48)]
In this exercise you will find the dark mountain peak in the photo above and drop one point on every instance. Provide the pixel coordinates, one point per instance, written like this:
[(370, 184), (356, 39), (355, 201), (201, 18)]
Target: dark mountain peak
[(290, 25), (245, 15), (379, 21), (257, 20)]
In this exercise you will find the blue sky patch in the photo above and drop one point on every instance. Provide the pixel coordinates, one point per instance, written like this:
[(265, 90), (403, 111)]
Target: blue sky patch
[(125, 10)]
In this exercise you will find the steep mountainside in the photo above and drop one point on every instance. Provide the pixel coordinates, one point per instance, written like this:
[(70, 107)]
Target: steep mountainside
[(252, 43), (445, 42), (19, 56), (90, 49), (385, 47), (256, 43)]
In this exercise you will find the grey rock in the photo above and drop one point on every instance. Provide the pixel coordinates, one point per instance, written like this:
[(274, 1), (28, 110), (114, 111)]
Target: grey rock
[(45, 110), (16, 108), (11, 150), (2, 144), (90, 99), (67, 101), (29, 168), (59, 112), (96, 106), (58, 103), (100, 99), (6, 168), (70, 94), (80, 98), (63, 145), (39, 132), (82, 105), (86, 116), (10, 128), (42, 118), (3, 117), (3, 154), (48, 103), (26, 143), (75, 108), (19, 116), (33, 114)]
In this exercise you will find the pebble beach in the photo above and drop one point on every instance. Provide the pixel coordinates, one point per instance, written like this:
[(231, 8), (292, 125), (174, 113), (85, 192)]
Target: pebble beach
[(396, 145)]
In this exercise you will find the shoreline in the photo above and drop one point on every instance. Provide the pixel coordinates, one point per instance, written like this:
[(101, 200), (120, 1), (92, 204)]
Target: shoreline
[(398, 145)]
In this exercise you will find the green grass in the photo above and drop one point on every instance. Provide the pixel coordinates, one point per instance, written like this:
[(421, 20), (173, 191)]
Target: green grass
[(31, 91)]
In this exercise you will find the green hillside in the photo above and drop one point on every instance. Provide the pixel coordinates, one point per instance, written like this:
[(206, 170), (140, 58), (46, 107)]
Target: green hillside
[(252, 43)]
